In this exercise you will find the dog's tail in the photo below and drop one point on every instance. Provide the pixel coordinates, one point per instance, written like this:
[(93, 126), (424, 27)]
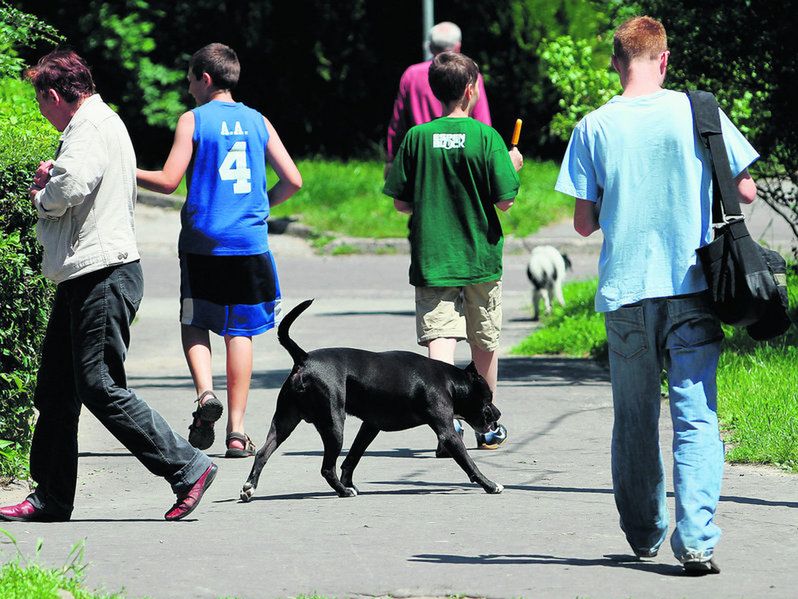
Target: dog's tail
[(297, 353)]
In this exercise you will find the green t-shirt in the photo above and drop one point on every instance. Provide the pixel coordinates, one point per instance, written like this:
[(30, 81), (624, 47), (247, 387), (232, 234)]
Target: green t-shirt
[(453, 171)]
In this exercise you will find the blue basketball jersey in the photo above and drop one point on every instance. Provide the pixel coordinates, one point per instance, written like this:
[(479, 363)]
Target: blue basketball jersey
[(227, 205)]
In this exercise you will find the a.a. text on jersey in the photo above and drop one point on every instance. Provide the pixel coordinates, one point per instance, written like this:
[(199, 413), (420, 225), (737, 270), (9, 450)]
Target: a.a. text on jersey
[(237, 130)]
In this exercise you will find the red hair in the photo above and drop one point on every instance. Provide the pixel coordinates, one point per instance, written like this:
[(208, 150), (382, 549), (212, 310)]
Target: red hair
[(65, 72), (639, 37)]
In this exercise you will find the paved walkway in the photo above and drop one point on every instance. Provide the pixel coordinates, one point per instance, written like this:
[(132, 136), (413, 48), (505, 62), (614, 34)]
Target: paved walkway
[(419, 528)]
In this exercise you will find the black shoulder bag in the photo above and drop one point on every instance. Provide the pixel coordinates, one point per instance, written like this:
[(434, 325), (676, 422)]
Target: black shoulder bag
[(748, 282)]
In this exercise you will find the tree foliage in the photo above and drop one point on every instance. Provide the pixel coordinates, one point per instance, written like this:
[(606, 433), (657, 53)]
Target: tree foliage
[(325, 73), (20, 29), (122, 34), (745, 52), (583, 86)]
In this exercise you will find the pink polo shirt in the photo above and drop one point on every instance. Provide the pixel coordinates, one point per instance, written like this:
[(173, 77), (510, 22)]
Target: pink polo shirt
[(415, 104)]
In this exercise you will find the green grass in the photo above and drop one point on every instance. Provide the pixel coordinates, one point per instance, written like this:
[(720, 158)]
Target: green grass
[(575, 330), (345, 198), (182, 189), (758, 404), (23, 578), (758, 393), (757, 382)]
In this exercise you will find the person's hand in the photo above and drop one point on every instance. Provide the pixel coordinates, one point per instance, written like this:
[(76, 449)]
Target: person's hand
[(517, 159), (42, 174)]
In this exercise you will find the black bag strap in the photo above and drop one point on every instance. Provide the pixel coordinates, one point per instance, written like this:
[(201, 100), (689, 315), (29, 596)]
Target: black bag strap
[(707, 123)]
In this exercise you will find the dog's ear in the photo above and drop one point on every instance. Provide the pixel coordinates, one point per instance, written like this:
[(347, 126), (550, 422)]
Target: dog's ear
[(471, 369), (567, 260)]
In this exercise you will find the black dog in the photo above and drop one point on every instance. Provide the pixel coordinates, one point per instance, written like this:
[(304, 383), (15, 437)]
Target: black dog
[(388, 391)]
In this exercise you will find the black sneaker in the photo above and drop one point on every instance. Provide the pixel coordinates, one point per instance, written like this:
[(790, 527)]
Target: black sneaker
[(492, 439), (699, 567)]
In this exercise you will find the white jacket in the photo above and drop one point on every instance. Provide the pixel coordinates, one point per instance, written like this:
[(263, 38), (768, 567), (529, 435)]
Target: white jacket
[(86, 208)]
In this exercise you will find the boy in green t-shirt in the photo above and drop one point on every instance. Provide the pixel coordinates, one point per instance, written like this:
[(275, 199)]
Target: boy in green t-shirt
[(450, 175)]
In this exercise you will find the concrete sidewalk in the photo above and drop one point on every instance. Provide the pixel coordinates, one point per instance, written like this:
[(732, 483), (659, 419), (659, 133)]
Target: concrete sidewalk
[(419, 528)]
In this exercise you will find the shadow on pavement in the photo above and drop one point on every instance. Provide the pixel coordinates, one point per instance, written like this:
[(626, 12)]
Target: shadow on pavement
[(566, 371), (587, 490), (398, 452), (425, 488), (169, 382), (73, 520), (409, 313), (264, 379), (527, 318), (612, 561), (267, 379), (363, 491)]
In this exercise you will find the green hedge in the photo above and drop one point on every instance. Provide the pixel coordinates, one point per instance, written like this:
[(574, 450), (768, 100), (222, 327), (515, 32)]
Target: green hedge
[(25, 139)]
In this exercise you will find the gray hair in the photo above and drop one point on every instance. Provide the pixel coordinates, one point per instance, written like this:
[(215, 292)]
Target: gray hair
[(444, 36)]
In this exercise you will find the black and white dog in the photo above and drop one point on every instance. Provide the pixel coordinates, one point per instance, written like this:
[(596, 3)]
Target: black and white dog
[(546, 272), (388, 391)]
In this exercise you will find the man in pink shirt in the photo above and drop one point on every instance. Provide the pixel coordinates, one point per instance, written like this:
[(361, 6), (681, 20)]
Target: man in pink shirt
[(415, 103)]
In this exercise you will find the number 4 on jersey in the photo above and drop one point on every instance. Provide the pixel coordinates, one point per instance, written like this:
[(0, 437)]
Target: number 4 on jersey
[(234, 168)]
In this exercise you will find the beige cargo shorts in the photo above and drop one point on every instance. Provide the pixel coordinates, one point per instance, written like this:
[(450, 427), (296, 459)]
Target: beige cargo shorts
[(472, 312)]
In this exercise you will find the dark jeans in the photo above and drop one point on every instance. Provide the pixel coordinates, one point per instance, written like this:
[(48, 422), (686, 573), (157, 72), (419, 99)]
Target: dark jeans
[(83, 362)]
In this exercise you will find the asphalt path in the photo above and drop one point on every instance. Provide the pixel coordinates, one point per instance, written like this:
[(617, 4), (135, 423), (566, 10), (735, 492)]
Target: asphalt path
[(418, 528)]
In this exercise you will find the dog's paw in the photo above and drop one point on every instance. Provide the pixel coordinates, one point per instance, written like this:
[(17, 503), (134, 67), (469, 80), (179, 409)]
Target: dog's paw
[(246, 493), (496, 490)]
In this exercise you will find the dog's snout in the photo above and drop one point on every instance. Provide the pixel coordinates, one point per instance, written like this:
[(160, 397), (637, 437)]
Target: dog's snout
[(496, 413)]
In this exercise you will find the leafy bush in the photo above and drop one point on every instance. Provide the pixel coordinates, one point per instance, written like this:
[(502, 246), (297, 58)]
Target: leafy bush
[(583, 87), (25, 139)]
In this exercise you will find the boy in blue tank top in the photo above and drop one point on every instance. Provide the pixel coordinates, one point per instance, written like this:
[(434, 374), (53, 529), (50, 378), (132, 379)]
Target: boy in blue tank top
[(228, 278)]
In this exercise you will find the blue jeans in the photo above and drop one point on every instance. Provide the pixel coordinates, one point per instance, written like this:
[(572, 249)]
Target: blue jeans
[(682, 335), (83, 363)]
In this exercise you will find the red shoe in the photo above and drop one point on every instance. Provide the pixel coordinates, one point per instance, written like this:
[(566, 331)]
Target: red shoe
[(27, 512), (187, 502)]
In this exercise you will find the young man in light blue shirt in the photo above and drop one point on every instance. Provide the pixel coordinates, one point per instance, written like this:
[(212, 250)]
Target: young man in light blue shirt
[(639, 174)]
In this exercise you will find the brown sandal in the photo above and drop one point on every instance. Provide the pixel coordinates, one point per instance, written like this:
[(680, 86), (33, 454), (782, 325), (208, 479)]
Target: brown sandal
[(232, 452), (209, 410)]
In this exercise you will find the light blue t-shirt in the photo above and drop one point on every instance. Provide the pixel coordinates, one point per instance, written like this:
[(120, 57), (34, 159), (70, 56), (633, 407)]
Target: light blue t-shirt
[(639, 158), (227, 205)]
